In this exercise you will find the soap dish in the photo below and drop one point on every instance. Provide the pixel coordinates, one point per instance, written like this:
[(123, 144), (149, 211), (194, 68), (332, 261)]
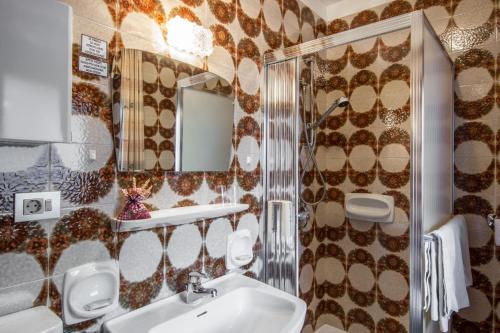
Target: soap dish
[(90, 291), (239, 249)]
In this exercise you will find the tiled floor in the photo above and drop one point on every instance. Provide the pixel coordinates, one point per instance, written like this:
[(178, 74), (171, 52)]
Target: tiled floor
[(329, 329)]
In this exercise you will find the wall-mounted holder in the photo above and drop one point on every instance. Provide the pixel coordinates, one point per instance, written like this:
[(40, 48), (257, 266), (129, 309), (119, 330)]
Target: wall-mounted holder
[(239, 249), (90, 291), (369, 207)]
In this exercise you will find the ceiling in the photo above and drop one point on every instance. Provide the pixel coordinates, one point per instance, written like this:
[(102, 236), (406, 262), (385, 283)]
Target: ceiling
[(332, 9)]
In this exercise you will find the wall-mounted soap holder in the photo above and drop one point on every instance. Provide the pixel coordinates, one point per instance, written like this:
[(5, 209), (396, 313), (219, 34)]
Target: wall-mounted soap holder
[(369, 207), (239, 249), (90, 291)]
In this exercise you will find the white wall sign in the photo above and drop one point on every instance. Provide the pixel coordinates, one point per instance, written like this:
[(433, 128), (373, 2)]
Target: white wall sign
[(93, 66), (94, 47)]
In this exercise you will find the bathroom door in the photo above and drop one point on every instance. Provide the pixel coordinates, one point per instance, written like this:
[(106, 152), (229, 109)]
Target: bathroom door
[(281, 175)]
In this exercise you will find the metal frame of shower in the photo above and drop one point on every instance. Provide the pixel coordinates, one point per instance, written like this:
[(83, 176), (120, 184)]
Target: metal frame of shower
[(416, 22)]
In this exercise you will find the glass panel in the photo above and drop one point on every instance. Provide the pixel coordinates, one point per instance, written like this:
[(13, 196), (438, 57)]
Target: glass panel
[(281, 175)]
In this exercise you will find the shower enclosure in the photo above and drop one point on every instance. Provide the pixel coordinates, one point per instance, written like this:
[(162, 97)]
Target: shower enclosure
[(368, 110)]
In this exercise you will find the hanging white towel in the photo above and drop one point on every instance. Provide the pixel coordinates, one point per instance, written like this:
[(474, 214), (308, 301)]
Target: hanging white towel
[(453, 268), (443, 317), (434, 287), (427, 275), (463, 234)]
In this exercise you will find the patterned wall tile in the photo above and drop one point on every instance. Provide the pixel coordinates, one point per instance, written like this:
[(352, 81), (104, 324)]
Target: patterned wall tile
[(23, 296), (103, 12), (223, 60), (28, 172), (142, 274), (184, 254), (144, 19), (291, 22), (80, 236), (474, 23), (24, 259), (84, 25), (214, 246), (80, 178), (329, 312), (272, 24), (307, 23)]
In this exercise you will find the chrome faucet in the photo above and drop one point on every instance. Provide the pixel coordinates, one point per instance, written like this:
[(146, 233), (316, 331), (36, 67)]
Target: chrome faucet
[(194, 289)]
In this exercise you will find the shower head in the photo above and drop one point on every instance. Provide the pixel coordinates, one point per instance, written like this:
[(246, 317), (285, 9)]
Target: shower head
[(341, 102)]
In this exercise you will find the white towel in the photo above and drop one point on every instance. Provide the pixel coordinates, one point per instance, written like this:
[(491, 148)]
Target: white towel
[(434, 298), (453, 259), (459, 222), (427, 275), (434, 287), (441, 304)]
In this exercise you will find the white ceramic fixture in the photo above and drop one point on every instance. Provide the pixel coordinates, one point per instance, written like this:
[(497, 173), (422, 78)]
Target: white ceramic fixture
[(90, 291), (239, 249), (35, 320), (369, 207), (176, 216), (243, 305)]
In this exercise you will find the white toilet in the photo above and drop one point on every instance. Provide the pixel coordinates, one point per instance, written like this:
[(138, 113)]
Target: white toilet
[(34, 320)]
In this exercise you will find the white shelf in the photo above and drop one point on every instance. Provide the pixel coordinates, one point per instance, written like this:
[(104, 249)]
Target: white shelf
[(177, 216)]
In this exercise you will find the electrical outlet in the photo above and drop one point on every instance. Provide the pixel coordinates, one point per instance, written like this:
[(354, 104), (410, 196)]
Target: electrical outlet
[(37, 206), (33, 206)]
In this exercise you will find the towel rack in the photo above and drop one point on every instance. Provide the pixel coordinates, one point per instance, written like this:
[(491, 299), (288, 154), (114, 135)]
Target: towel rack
[(429, 238), (491, 220)]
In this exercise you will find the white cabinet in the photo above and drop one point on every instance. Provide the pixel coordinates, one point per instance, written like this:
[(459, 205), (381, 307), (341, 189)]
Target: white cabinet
[(35, 70)]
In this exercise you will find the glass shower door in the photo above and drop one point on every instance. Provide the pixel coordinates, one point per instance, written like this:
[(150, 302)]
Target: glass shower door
[(281, 174)]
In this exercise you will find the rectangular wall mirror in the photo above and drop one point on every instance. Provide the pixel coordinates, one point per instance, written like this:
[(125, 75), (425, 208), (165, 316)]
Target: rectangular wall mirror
[(169, 115)]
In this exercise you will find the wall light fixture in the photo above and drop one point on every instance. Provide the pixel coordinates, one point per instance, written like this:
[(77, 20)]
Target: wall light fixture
[(186, 36)]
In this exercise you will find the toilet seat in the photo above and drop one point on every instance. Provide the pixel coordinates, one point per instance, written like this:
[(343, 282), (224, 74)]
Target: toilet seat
[(35, 320)]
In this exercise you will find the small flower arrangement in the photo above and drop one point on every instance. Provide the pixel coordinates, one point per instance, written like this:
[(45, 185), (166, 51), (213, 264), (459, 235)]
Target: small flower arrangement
[(134, 207)]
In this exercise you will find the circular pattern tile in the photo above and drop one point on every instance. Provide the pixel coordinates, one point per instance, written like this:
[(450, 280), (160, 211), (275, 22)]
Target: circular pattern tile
[(140, 255), (215, 241), (184, 246)]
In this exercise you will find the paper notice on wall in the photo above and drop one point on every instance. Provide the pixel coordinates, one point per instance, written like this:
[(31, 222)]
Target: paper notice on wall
[(93, 66), (94, 47)]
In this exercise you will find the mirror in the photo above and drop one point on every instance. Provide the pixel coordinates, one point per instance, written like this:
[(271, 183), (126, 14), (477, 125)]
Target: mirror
[(169, 115)]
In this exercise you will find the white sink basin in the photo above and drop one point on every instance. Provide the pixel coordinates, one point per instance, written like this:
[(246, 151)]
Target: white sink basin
[(243, 305)]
